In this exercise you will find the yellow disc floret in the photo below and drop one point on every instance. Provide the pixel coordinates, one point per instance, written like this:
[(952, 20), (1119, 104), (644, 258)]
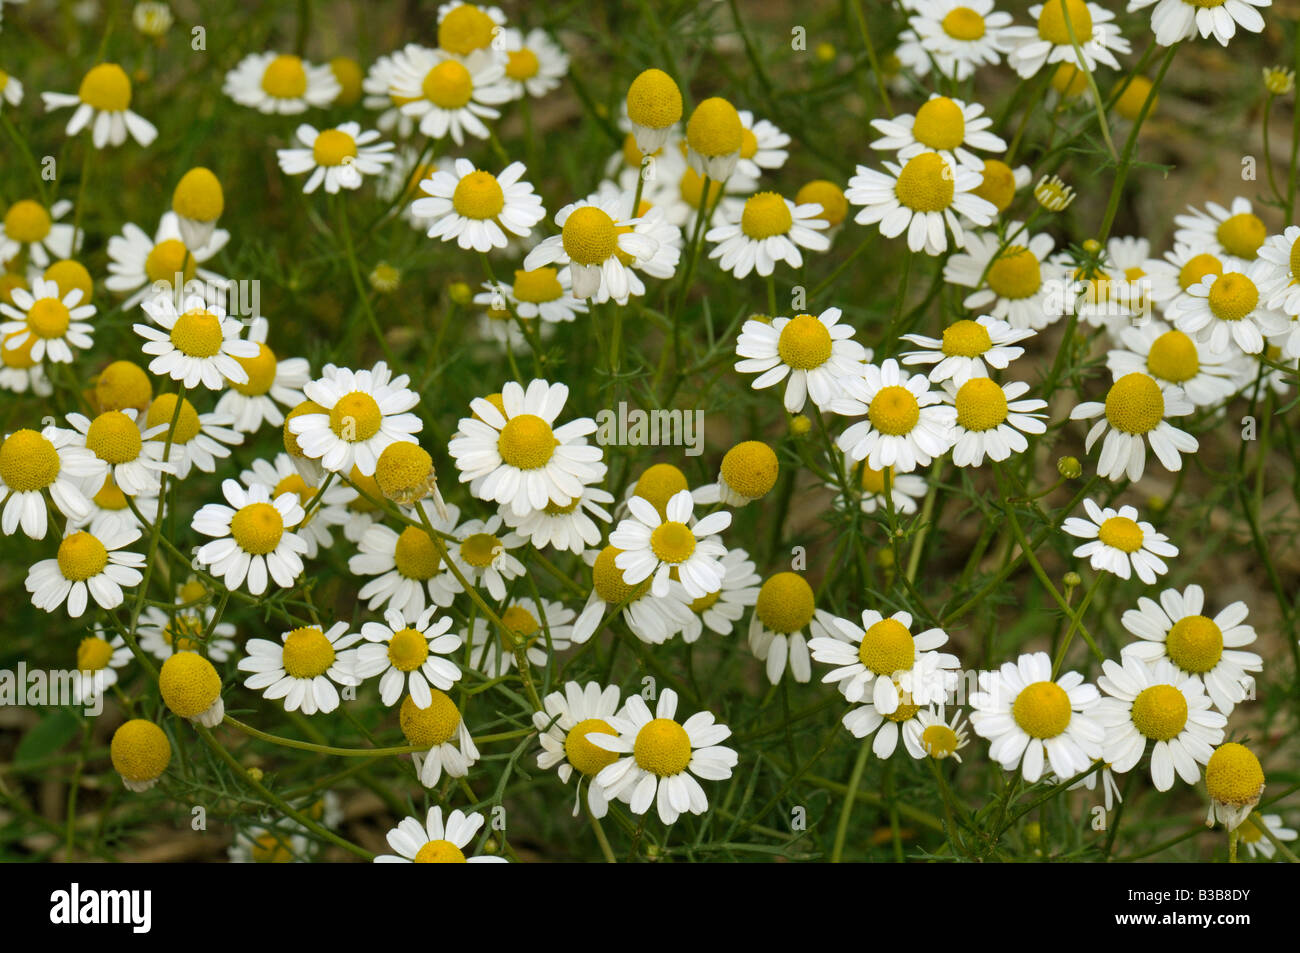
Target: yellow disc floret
[(589, 236), (607, 579), (662, 747), (81, 557), (291, 445), (448, 85), (1042, 710), (965, 339), (27, 221), (750, 468), (1130, 103), (404, 469), (939, 741), (1233, 296), (526, 442), (257, 528), (261, 371), (431, 726), (926, 183), (408, 649), (48, 318), (464, 29), (785, 603), (887, 647), (1195, 644), (1242, 234), (894, 410), (1134, 404), (1015, 273), (522, 64), (1233, 775), (829, 196), (113, 437), (940, 124), (93, 654), (333, 147), (1121, 533), (284, 77), (981, 404), (197, 333), (714, 128), (189, 684), (28, 461), (1160, 712), (478, 196), (804, 343), (106, 87), (963, 23), (356, 417), (998, 185), (480, 549), (765, 215), (1052, 22), (439, 852), (672, 542), (586, 757), (538, 286), (140, 751), (653, 100), (660, 483), (415, 555), (121, 385), (168, 259), (69, 274), (198, 196), (307, 652)]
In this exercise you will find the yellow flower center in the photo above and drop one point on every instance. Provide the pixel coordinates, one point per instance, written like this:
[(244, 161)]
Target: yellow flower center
[(940, 124), (1233, 775), (432, 726), (197, 333), (1121, 533), (894, 410), (965, 339), (81, 557), (1130, 103), (48, 318), (261, 372), (939, 741), (829, 196), (589, 236), (522, 626), (1197, 267), (1016, 273), (691, 187), (1249, 832), (1069, 80), (659, 484), (1173, 357), (113, 437), (403, 468), (1052, 22), (1195, 644), (705, 602), (355, 417), (526, 442), (662, 747), (963, 23), (295, 484), (27, 221), (291, 445), (161, 412), (785, 603), (766, 214), (1295, 259), (522, 64), (140, 750), (28, 462), (1160, 712), (123, 384), (608, 580), (189, 684), (905, 709), (926, 183), (1042, 710), (270, 848), (714, 129), (887, 647), (981, 404), (1233, 296), (93, 654), (198, 196), (750, 468), (448, 85), (538, 286), (333, 147), (415, 555), (873, 481), (560, 509), (1242, 234), (106, 87), (672, 542), (465, 29), (69, 274), (998, 185), (479, 549), (1134, 404), (440, 851), (805, 343), (408, 649), (257, 528), (167, 259), (586, 757), (307, 653), (654, 101), (284, 77), (478, 195), (183, 633)]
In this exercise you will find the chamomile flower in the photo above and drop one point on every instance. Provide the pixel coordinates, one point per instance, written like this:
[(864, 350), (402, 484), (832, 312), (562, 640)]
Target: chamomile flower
[(198, 201), (33, 464), (654, 546), (54, 323), (99, 657), (304, 667), (748, 473), (1119, 543), (817, 353), (539, 628), (654, 107), (182, 630), (476, 208), (563, 724), (140, 753), (784, 609), (407, 655), (29, 225), (958, 36), (535, 63), (1174, 359), (652, 619), (252, 537), (1235, 230), (197, 343), (140, 267), (922, 197), (948, 127), (407, 567), (967, 349), (907, 424), (191, 688), (338, 158), (1156, 703), (714, 138), (1176, 630), (440, 729), (1175, 20), (992, 420), (447, 94), (1170, 277), (434, 842), (883, 662), (87, 566), (1033, 720), (513, 455), (197, 440), (770, 228), (1095, 34), (652, 223), (1234, 780), (362, 413), (721, 610), (762, 146), (570, 526), (266, 845), (1227, 308), (865, 720), (1133, 415), (598, 243), (483, 555), (114, 437), (545, 293), (1282, 287), (661, 758), (271, 382), (281, 476), (280, 83), (929, 735), (1254, 839), (103, 104), (466, 27), (1012, 277), (905, 488), (11, 89)]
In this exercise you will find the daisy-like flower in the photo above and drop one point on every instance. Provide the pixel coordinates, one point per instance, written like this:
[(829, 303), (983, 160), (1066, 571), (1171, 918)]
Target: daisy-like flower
[(748, 473), (661, 758), (992, 420), (721, 610), (1227, 308), (929, 735), (544, 293), (253, 537), (907, 424), (967, 349), (466, 27), (714, 138), (140, 753), (922, 197), (281, 476), (1053, 194), (407, 655), (653, 619), (1174, 359), (770, 228), (905, 488), (181, 630), (408, 569), (949, 127), (1012, 277), (29, 225), (1175, 20), (476, 208), (144, 267), (654, 546), (447, 94), (483, 555), (33, 464), (88, 566), (338, 158), (1156, 703), (959, 36), (53, 323), (1098, 38), (535, 63), (784, 609), (362, 413), (304, 667), (570, 526), (271, 383), (865, 720), (1000, 183), (1254, 839), (435, 843), (19, 371), (1282, 252), (1133, 414), (11, 88), (198, 440), (654, 107), (378, 89), (266, 845), (540, 628), (1119, 543), (99, 656), (513, 455), (1235, 230), (114, 437), (280, 83), (1177, 631), (1032, 720), (818, 354), (563, 725), (762, 146), (440, 730), (883, 662), (1234, 780), (653, 224), (198, 201), (196, 345), (1185, 265), (103, 104), (595, 240)]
